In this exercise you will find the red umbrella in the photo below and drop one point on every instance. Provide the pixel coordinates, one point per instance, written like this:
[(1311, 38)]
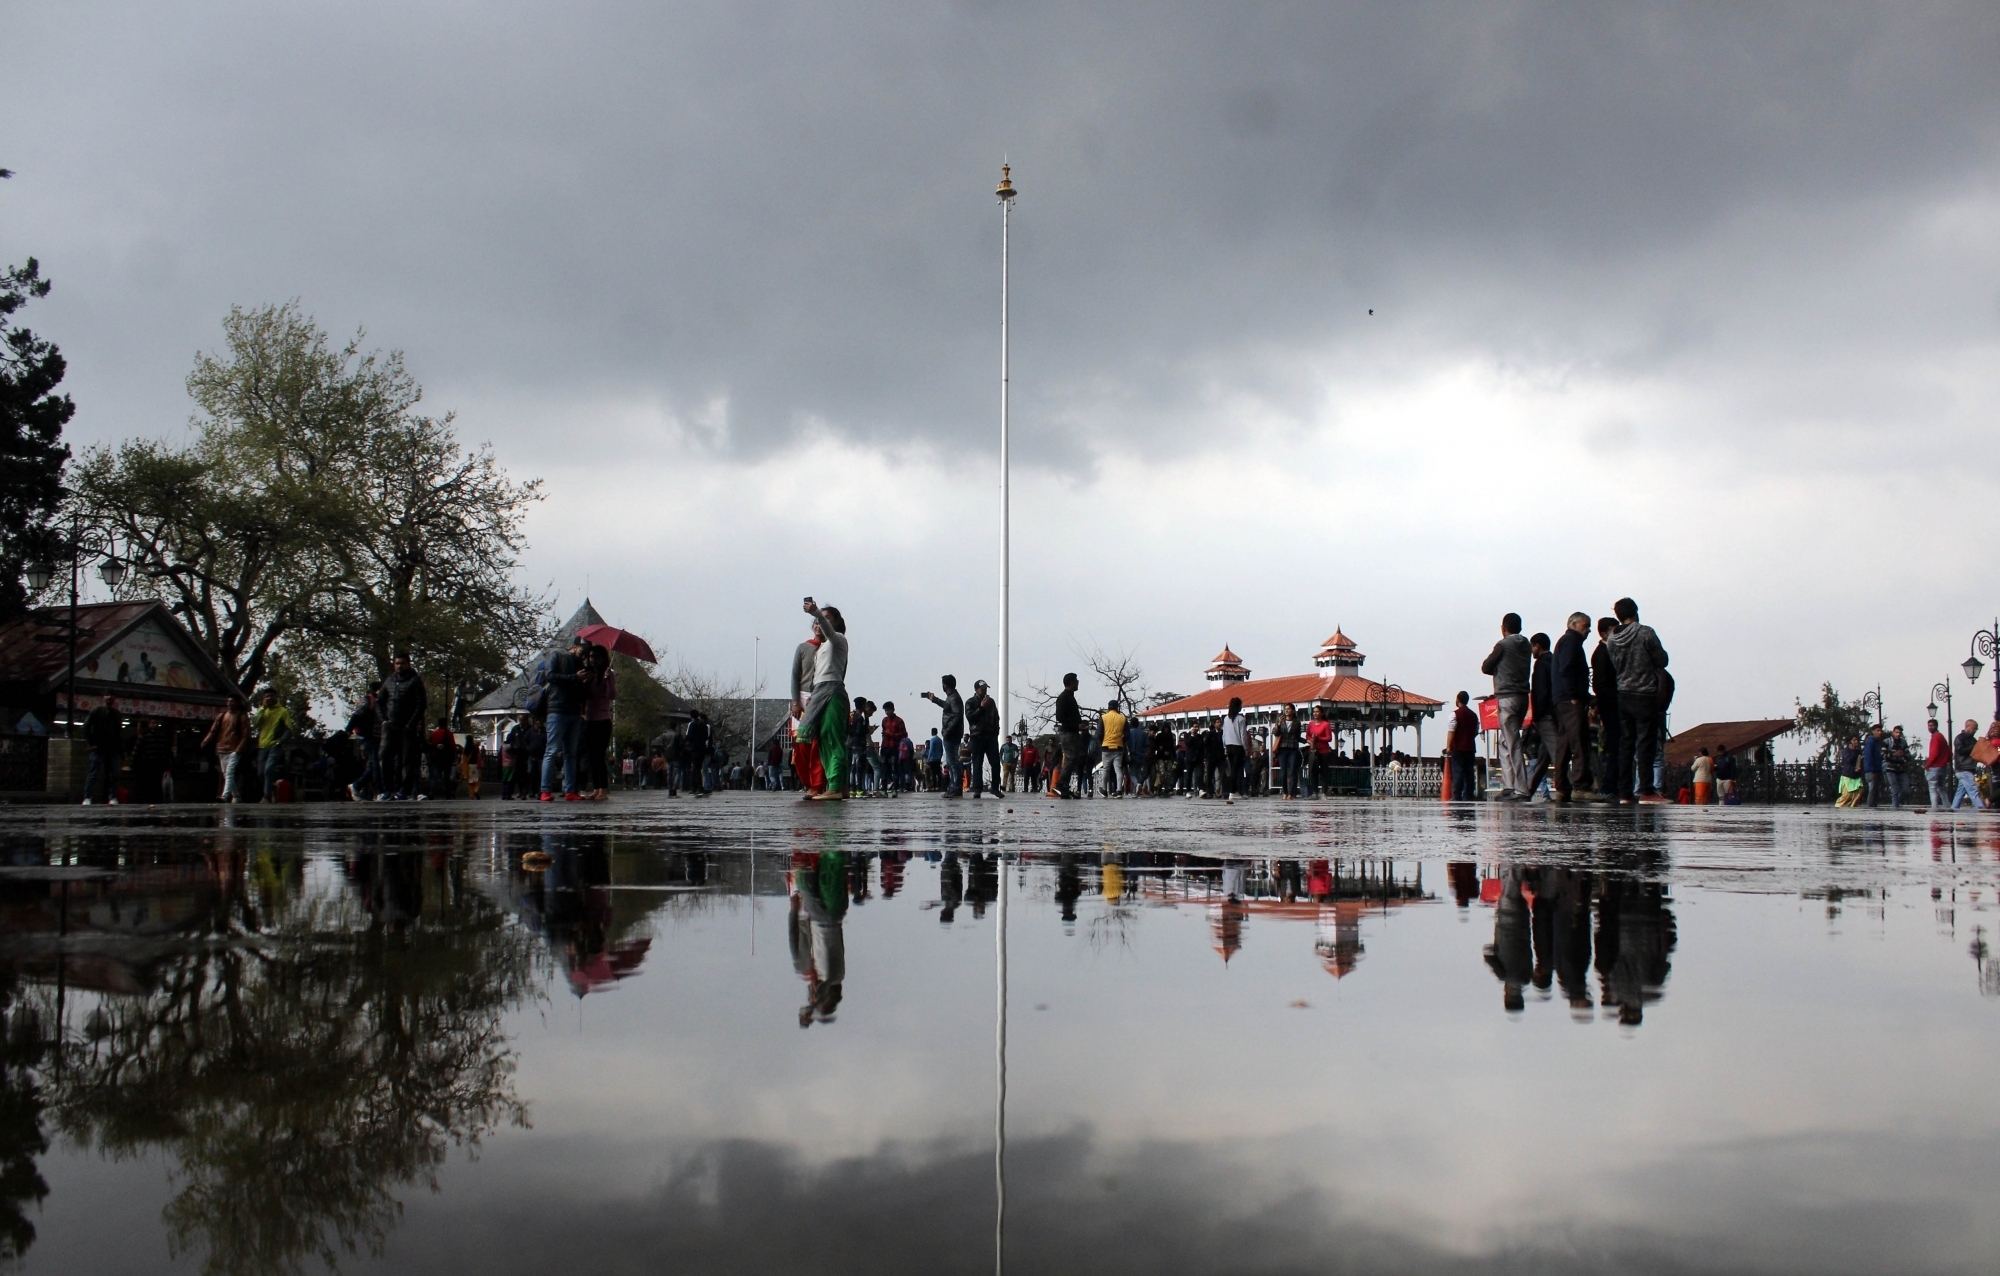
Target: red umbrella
[(618, 640)]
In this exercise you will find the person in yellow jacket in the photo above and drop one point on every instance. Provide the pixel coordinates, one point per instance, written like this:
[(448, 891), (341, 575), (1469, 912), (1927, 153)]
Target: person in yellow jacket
[(1112, 749)]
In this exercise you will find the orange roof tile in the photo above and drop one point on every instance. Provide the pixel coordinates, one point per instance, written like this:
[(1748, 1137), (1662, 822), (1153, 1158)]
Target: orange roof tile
[(1301, 688)]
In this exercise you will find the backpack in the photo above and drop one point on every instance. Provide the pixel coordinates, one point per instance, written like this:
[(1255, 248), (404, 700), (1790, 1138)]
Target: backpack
[(1666, 690)]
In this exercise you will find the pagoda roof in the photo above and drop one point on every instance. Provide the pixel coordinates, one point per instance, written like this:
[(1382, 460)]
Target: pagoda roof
[(512, 694), (1304, 688)]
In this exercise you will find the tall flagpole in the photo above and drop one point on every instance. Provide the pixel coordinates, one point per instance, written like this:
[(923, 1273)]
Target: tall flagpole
[(1006, 193)]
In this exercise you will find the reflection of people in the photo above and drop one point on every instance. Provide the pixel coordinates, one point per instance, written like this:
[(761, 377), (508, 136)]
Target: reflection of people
[(1069, 886), (816, 931), (1508, 955), (951, 887), (1635, 932)]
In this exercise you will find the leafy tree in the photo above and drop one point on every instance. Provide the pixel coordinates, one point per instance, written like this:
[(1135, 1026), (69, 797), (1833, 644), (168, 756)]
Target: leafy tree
[(642, 707), (1832, 722), (316, 513), (32, 416)]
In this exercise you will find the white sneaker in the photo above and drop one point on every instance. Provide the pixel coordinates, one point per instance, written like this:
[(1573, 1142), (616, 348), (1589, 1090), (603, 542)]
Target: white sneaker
[(88, 802), (114, 802)]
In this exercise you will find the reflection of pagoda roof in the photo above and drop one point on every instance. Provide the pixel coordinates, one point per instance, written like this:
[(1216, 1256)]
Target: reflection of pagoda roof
[(1225, 923), (1342, 909)]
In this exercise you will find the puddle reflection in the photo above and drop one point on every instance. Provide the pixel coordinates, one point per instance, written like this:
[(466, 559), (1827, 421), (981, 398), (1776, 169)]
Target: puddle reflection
[(310, 1030)]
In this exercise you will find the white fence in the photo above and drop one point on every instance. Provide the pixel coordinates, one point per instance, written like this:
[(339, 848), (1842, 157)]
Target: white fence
[(1410, 779)]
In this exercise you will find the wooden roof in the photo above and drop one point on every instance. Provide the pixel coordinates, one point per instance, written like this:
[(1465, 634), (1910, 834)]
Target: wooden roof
[(32, 650), (1724, 737)]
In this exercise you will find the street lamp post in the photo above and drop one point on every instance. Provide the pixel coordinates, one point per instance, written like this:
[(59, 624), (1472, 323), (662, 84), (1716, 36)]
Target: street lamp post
[(1385, 694), (1942, 691), (1873, 700), (1005, 192), (111, 571), (1985, 642)]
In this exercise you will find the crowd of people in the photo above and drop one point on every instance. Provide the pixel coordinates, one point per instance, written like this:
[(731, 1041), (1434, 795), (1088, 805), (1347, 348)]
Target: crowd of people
[(1579, 719), (1573, 719)]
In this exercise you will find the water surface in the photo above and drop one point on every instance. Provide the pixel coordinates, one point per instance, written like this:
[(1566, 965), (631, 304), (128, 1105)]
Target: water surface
[(744, 1034)]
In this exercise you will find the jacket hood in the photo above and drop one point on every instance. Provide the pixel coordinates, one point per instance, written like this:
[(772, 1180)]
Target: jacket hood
[(1626, 635)]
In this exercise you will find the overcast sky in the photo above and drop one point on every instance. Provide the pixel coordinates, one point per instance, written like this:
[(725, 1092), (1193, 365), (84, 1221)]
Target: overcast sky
[(1699, 304)]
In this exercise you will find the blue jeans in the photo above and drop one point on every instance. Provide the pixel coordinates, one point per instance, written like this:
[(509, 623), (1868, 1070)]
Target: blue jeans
[(100, 780), (1968, 787), (954, 770), (1288, 770), (370, 779), (271, 766), (566, 737), (1939, 786)]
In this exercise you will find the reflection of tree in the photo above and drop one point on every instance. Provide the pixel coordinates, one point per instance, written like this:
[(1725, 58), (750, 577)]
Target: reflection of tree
[(298, 1083), (21, 1137)]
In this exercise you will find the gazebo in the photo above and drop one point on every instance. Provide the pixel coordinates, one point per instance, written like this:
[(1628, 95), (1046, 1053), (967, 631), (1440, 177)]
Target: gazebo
[(1362, 710), (507, 704)]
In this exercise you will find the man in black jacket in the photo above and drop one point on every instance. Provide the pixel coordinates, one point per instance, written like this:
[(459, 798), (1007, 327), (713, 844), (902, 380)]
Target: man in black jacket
[(1069, 724), (403, 704), (104, 732), (1604, 693), (696, 742), (982, 720), (1564, 731)]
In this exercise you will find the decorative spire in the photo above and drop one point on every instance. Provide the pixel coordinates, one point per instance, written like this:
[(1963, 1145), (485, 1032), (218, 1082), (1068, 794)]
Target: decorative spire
[(1339, 654), (1228, 667)]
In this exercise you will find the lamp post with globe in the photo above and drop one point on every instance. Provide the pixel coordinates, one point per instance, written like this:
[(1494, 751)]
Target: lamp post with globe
[(1942, 691), (1985, 642), (111, 571)]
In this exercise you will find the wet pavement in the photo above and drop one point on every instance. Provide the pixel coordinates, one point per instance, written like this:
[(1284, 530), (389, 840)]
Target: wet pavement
[(746, 1034)]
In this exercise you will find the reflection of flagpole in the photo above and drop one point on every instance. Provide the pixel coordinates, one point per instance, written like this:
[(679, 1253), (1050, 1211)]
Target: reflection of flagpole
[(1000, 1079)]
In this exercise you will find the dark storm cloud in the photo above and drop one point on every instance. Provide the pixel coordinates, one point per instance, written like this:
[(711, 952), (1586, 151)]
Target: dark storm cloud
[(1161, 1207), (786, 205)]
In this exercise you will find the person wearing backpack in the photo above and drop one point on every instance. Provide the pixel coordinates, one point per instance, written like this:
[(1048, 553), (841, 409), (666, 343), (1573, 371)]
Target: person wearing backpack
[(565, 700)]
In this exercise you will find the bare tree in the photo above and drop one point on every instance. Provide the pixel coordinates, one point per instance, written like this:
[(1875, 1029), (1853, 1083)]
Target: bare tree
[(726, 701), (1118, 670), (1038, 705)]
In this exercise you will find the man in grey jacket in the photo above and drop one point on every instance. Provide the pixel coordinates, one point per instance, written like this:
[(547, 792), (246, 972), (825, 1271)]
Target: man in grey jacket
[(953, 730), (1639, 658), (1509, 666)]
